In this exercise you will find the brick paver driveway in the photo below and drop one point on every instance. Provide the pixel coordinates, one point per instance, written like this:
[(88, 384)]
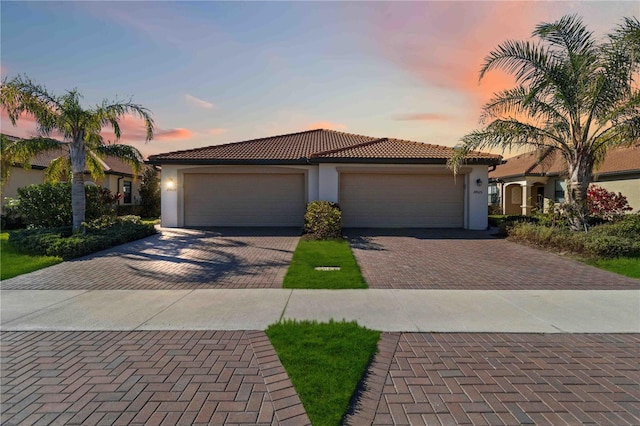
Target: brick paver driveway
[(145, 377), (497, 379), (176, 259), (460, 259)]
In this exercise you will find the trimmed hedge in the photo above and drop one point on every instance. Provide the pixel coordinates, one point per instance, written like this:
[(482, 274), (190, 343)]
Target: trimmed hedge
[(64, 243), (618, 239)]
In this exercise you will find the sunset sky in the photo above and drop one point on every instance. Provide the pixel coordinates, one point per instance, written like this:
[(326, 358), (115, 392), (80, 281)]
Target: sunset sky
[(216, 72)]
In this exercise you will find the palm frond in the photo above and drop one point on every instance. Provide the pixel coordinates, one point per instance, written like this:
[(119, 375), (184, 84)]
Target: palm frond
[(568, 33), (126, 153), (21, 95), (110, 113), (95, 166), (58, 168)]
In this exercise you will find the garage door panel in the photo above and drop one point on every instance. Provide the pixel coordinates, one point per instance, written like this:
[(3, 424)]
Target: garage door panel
[(401, 200), (244, 199)]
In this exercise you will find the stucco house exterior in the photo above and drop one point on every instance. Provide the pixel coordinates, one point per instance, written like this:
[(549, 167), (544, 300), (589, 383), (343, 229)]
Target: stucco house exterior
[(119, 176), (535, 180), (378, 182)]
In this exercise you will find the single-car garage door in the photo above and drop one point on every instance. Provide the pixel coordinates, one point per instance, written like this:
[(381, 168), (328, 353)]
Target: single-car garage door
[(383, 200), (221, 199)]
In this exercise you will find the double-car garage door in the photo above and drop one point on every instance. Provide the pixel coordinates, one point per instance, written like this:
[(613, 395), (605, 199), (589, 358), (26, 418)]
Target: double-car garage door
[(392, 200), (376, 200), (244, 199)]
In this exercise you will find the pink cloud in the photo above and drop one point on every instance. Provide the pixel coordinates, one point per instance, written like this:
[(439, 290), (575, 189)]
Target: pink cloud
[(418, 38), (216, 131), (326, 125), (426, 116), (173, 134)]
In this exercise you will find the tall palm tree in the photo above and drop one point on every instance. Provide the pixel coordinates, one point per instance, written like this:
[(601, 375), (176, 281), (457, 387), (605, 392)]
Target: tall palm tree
[(573, 95), (80, 128)]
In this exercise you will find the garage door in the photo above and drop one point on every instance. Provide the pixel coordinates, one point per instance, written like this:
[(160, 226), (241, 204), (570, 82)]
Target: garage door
[(244, 199), (401, 200)]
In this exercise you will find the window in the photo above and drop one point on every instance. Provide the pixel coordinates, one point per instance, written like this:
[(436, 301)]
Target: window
[(493, 194), (561, 185), (126, 188)]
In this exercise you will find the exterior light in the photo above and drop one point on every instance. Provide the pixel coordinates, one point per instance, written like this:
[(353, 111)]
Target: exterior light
[(479, 182), (170, 185)]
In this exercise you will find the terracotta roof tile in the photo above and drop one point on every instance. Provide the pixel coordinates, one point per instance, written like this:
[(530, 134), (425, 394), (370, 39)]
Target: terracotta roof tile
[(314, 144), (618, 160)]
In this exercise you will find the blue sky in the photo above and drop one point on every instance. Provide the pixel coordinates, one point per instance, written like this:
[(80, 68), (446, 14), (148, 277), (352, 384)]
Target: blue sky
[(216, 72)]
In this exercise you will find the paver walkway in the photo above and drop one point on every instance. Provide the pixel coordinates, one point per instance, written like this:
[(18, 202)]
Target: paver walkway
[(471, 260), (502, 379), (156, 378), (175, 259)]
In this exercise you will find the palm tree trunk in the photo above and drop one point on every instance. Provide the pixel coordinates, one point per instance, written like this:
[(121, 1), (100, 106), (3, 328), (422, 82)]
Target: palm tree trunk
[(78, 164), (579, 178)]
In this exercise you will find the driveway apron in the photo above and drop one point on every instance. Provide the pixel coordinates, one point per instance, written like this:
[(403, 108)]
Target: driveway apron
[(469, 260), (176, 259)]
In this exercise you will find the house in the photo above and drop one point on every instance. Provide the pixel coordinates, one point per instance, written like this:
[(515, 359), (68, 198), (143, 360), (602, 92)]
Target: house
[(535, 180), (119, 176), (378, 182)]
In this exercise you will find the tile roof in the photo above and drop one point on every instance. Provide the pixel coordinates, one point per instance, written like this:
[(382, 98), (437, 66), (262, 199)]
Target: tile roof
[(315, 146), (617, 160), (42, 160)]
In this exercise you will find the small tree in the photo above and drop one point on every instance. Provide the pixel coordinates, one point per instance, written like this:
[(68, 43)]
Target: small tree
[(150, 193), (606, 205), (323, 220)]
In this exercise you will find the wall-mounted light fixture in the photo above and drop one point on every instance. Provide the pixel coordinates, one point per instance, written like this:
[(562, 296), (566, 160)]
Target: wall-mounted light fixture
[(479, 182), (170, 185)]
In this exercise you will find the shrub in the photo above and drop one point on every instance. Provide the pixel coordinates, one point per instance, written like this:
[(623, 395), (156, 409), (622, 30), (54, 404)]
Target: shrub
[(11, 218), (48, 205), (150, 193), (100, 234), (606, 205), (323, 220), (607, 240), (128, 210)]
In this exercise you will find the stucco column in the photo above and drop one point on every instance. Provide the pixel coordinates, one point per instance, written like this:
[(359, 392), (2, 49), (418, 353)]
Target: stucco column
[(169, 187), (526, 199)]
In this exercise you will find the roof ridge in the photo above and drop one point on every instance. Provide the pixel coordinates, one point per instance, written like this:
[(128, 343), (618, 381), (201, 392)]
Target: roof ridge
[(336, 150), (238, 143)]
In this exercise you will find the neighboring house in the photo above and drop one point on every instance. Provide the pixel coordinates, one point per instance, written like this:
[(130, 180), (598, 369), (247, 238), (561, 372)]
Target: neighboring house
[(378, 182), (118, 176), (533, 181)]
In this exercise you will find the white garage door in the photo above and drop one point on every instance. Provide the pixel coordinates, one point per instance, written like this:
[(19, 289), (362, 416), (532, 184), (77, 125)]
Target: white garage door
[(401, 200), (244, 199)]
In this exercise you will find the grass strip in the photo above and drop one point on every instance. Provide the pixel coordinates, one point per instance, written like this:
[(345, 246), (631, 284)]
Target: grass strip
[(14, 263), (325, 362), (313, 253), (628, 266)]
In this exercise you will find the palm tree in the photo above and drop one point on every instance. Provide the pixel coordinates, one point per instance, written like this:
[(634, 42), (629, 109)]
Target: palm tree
[(573, 95), (80, 128)]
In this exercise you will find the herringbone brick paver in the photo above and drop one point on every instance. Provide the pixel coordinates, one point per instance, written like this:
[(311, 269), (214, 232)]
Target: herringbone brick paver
[(164, 377), (512, 379), (175, 259), (470, 260)]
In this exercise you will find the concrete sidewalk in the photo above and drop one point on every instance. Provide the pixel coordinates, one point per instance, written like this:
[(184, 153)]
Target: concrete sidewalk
[(509, 311)]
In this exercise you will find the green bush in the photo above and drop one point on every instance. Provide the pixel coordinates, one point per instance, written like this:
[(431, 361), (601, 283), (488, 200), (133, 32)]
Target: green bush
[(323, 220), (150, 193), (48, 205), (11, 218), (127, 210), (603, 241), (62, 242)]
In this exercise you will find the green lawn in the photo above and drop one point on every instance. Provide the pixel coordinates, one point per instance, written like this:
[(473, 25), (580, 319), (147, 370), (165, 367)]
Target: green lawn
[(13, 263), (325, 362), (629, 266), (312, 253)]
